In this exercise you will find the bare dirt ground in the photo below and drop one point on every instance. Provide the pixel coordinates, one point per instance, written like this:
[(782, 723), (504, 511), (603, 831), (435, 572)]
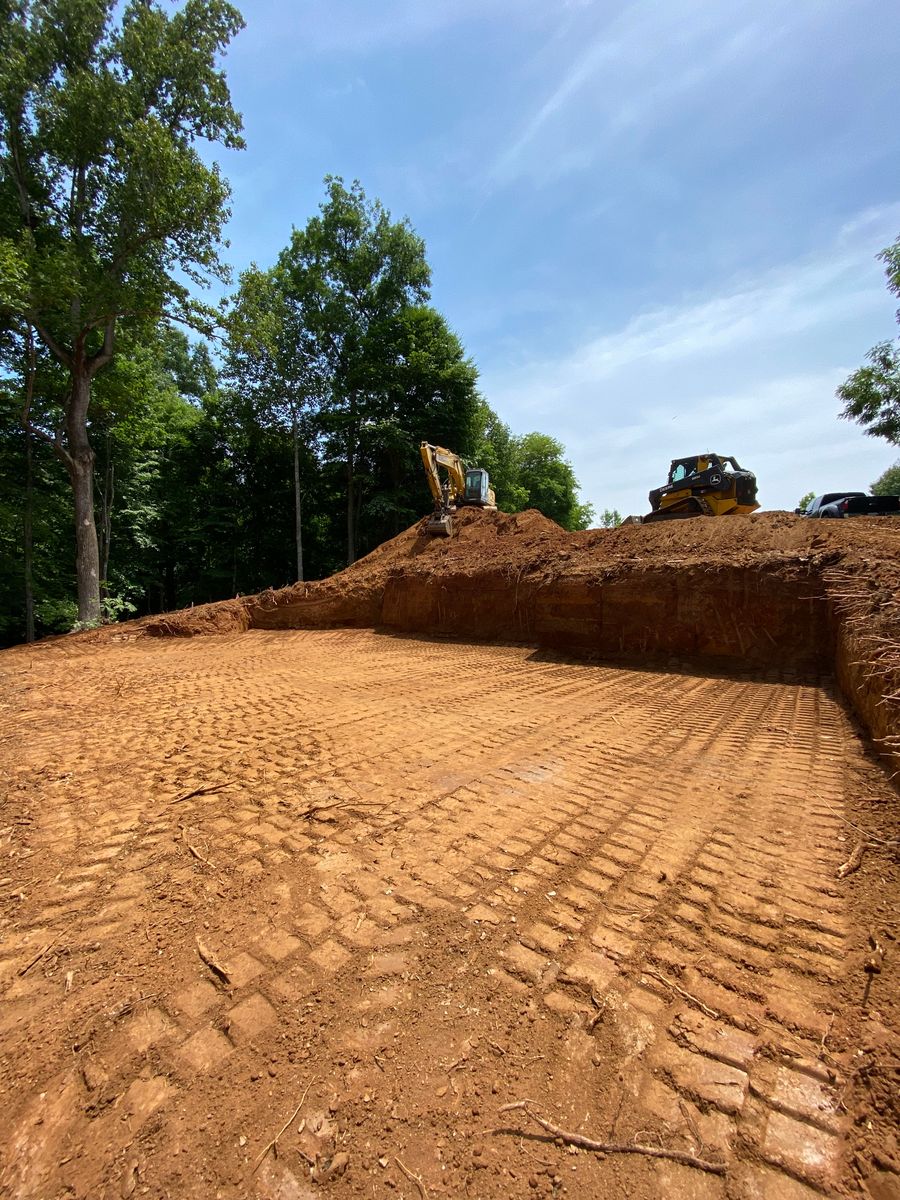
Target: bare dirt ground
[(359, 892)]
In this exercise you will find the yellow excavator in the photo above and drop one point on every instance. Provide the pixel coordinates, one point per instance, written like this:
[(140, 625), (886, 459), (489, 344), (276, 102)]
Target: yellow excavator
[(711, 485), (463, 486)]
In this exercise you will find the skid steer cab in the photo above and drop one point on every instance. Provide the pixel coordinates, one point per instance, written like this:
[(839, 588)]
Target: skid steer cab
[(703, 485), (461, 486)]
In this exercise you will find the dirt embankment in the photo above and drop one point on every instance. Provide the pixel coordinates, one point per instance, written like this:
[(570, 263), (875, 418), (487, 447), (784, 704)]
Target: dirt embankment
[(770, 590)]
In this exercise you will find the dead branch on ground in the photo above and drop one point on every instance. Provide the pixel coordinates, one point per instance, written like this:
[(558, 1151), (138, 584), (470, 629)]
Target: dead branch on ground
[(853, 862), (196, 853), (37, 958), (576, 1139), (212, 962), (710, 1012), (202, 791), (273, 1145), (413, 1178)]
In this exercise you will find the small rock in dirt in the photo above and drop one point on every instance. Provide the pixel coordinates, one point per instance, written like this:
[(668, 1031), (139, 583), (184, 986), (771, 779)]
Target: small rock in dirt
[(331, 1168), (129, 1179)]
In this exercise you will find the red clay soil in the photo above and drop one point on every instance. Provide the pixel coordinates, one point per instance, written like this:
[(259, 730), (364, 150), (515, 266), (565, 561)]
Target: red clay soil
[(299, 908), (771, 589)]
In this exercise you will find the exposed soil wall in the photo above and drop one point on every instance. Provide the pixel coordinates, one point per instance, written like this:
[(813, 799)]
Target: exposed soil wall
[(732, 617), (770, 590)]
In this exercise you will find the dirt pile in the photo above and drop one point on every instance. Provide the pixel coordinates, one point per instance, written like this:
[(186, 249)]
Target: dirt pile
[(767, 591)]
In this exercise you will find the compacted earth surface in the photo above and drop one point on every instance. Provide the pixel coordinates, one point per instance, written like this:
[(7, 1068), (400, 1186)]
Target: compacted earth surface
[(299, 912)]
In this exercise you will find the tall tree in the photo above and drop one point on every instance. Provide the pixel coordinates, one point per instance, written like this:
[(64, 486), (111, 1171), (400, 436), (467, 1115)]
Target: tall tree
[(431, 395), (498, 452), (351, 272), (871, 395), (106, 206), (274, 363), (550, 482)]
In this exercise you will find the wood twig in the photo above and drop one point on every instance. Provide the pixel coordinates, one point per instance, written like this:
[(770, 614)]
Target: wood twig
[(212, 962), (202, 791), (576, 1139), (274, 1142), (710, 1012), (37, 958), (413, 1178), (853, 862), (309, 813), (196, 853)]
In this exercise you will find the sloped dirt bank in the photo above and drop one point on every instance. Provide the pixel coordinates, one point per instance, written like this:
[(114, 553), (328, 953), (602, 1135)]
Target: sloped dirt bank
[(747, 593)]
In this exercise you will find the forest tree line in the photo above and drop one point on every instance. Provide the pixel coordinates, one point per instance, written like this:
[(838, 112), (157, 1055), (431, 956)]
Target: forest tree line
[(156, 451)]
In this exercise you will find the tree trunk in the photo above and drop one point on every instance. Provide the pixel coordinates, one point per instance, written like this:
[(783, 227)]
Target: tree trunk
[(105, 533), (298, 524), (81, 473), (395, 483), (28, 523), (351, 509), (28, 539)]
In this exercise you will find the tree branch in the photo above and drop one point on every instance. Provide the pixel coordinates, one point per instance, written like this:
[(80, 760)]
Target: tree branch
[(52, 345), (105, 353), (577, 1139)]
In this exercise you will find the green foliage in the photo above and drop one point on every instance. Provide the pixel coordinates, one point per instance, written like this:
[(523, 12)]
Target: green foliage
[(530, 472), (550, 481), (887, 484), (107, 210), (610, 519), (104, 199), (871, 395), (804, 502)]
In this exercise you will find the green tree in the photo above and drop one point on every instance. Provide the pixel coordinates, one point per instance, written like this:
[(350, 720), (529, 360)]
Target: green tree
[(274, 365), (871, 395), (107, 210), (352, 272), (432, 396), (611, 518), (804, 502), (550, 482), (888, 483)]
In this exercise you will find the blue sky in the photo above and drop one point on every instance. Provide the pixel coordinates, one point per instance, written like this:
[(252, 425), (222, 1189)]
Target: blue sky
[(653, 225)]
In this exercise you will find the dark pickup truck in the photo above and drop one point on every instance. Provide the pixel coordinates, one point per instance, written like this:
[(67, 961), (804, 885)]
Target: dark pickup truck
[(851, 504)]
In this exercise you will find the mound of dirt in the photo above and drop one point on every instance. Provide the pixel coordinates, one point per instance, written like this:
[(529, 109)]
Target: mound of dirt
[(522, 545)]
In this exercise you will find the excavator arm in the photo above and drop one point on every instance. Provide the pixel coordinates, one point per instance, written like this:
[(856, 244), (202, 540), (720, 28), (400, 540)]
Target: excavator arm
[(434, 457)]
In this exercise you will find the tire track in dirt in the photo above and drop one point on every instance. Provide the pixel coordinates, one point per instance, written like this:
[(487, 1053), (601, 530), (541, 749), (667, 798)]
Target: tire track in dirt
[(409, 830)]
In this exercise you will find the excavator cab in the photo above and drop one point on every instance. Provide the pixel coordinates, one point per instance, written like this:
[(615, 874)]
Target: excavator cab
[(478, 486)]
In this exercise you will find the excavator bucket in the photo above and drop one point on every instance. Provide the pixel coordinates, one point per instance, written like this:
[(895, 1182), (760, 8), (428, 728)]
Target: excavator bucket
[(440, 524)]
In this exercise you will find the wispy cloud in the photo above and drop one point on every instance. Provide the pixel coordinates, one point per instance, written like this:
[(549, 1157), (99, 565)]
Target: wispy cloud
[(629, 75), (750, 371)]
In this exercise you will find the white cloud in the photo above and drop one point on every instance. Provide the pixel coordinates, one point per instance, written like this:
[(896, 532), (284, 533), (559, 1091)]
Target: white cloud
[(750, 371), (631, 76)]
